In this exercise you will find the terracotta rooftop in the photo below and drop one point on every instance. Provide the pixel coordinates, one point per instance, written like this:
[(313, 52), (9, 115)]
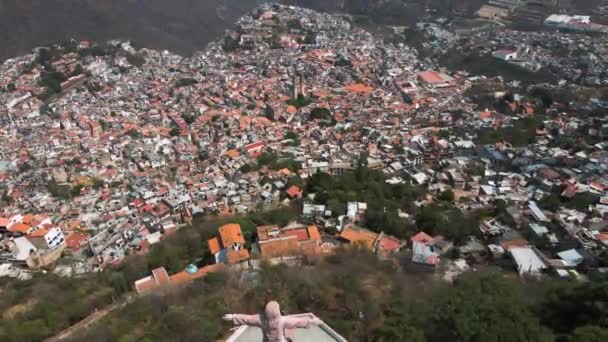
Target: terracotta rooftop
[(359, 235), (434, 77), (214, 245), (279, 247), (237, 256), (184, 277), (231, 234), (303, 233), (389, 243), (39, 232), (359, 88), (422, 237), (294, 191), (20, 228), (76, 240), (160, 278), (265, 231)]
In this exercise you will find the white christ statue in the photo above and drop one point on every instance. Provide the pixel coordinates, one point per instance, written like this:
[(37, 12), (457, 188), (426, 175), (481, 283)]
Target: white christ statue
[(272, 323)]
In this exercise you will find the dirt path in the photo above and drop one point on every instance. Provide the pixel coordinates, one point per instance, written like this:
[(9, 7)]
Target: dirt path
[(90, 320)]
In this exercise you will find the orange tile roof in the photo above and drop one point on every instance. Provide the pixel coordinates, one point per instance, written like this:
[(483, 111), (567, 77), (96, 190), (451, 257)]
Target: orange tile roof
[(359, 235), (311, 248), (285, 171), (292, 109), (244, 121), (231, 234), (39, 232), (184, 277), (294, 191), (260, 120), (485, 115), (237, 256), (20, 228), (27, 219), (4, 222), (76, 240), (145, 285), (515, 243), (279, 247), (233, 154), (214, 245), (263, 231), (422, 237), (389, 243), (359, 88), (313, 232), (431, 76)]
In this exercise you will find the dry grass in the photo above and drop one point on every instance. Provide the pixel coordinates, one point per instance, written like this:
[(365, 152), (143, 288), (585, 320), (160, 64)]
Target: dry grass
[(19, 309)]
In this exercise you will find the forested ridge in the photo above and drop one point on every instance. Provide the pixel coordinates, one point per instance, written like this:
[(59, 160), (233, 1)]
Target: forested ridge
[(182, 26), (363, 298)]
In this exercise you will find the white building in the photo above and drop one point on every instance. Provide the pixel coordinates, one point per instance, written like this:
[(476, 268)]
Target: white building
[(528, 260), (355, 210), (505, 55), (47, 238)]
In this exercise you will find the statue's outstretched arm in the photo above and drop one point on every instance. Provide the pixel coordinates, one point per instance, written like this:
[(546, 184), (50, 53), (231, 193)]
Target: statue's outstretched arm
[(290, 322), (253, 320)]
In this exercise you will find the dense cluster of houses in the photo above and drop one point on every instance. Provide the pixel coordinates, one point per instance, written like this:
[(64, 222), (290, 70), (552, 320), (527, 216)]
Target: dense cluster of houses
[(126, 153)]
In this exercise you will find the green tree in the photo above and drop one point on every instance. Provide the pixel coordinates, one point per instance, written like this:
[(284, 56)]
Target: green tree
[(97, 183), (567, 307), (230, 43), (104, 124), (447, 195), (398, 325), (188, 118), (78, 70), (291, 135), (184, 82), (582, 201), (294, 137), (6, 198), (486, 308), (310, 38), (343, 62), (52, 80), (25, 167), (168, 256), (550, 202), (300, 101), (337, 207), (269, 112), (320, 113), (294, 24), (136, 59), (59, 190), (133, 133), (589, 333)]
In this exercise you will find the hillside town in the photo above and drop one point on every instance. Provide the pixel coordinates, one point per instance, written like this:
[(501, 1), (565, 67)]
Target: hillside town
[(107, 150)]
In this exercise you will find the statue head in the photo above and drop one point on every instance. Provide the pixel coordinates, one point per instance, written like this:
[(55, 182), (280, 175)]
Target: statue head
[(272, 311)]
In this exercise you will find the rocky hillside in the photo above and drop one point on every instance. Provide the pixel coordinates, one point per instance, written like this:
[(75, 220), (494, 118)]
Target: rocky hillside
[(179, 25), (393, 12), (184, 26)]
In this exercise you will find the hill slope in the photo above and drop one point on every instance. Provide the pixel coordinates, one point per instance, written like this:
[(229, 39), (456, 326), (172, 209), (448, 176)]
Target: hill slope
[(178, 25)]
